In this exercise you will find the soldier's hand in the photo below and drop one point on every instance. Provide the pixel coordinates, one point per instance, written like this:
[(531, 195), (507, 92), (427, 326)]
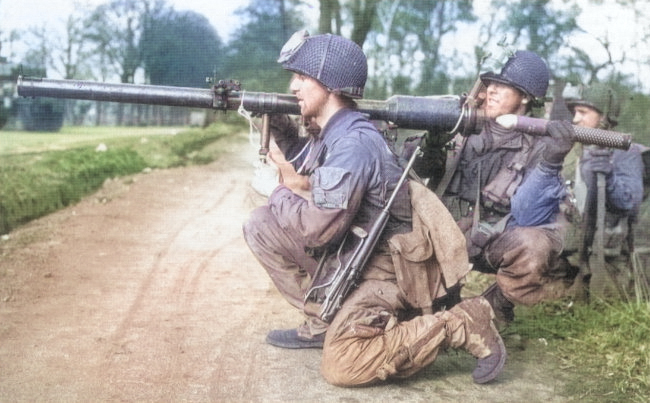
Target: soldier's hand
[(600, 160), (558, 142), (299, 184), (282, 127)]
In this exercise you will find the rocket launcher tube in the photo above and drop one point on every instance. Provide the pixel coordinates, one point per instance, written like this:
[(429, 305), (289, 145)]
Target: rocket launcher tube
[(584, 135)]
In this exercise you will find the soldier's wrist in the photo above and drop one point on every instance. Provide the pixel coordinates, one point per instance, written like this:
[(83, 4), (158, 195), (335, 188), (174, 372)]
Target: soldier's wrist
[(550, 167)]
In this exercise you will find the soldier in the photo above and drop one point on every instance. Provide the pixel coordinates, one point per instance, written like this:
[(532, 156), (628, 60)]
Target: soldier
[(341, 176), (506, 190), (622, 170)]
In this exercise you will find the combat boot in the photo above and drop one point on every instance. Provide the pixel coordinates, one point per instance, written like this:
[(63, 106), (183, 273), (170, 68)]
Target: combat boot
[(481, 338), (291, 338), (503, 309)]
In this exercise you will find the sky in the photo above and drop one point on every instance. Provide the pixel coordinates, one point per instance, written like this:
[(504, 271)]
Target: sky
[(18, 14)]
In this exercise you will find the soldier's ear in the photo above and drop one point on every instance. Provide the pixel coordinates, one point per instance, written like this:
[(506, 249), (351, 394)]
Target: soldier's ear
[(524, 101)]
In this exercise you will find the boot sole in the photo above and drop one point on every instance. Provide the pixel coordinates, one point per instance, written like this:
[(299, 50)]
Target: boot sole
[(290, 340), (497, 369)]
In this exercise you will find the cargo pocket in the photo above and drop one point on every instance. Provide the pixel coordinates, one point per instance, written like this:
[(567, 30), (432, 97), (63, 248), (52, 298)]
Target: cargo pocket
[(412, 256), (331, 187)]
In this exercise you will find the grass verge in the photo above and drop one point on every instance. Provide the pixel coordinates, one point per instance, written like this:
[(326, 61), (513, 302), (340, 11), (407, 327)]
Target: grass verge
[(33, 184), (606, 344)]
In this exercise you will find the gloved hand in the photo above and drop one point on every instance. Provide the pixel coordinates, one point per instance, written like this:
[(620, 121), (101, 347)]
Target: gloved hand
[(284, 130), (600, 160), (282, 127), (559, 141)]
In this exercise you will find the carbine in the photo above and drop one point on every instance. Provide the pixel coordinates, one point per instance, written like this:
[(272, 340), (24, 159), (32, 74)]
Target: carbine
[(346, 278), (444, 115)]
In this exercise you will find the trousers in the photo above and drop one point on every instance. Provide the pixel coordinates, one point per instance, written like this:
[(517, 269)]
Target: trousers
[(370, 340), (528, 263)]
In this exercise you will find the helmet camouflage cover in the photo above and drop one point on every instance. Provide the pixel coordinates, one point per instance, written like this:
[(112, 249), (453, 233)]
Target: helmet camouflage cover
[(526, 71), (336, 62)]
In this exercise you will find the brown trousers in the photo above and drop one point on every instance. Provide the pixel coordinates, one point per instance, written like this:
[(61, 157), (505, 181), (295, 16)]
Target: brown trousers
[(528, 264), (283, 256), (367, 342), (369, 339), (291, 269)]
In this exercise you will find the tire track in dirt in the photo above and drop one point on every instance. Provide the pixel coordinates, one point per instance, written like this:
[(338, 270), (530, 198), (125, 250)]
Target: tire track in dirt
[(174, 288), (167, 252)]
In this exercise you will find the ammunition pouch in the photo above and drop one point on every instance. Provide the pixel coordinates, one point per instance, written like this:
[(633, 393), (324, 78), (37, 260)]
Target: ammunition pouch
[(497, 194), (480, 235)]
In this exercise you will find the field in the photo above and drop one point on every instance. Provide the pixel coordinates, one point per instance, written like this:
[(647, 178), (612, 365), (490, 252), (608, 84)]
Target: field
[(19, 142)]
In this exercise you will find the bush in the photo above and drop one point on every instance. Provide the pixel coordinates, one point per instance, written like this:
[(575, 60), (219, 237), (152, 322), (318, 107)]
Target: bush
[(41, 114), (33, 185), (58, 179)]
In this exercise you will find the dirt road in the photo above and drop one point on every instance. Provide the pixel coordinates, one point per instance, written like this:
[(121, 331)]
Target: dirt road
[(146, 291)]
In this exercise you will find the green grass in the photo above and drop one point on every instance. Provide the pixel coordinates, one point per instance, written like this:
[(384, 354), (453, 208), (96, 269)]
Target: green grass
[(604, 344), (43, 172), (17, 142)]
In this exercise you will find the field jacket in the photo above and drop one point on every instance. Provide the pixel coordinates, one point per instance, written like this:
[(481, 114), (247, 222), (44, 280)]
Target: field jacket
[(433, 256)]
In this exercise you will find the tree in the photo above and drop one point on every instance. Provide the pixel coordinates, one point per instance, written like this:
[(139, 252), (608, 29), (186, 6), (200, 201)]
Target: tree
[(39, 54), (364, 13), (114, 29), (40, 114), (329, 20), (252, 53), (408, 36), (537, 25), (180, 49)]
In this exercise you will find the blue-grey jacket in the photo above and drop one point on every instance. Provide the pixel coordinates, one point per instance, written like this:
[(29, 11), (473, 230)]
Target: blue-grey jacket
[(537, 200), (624, 190), (352, 173)]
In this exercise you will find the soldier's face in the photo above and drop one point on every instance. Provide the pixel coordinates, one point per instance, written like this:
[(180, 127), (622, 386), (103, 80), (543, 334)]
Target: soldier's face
[(312, 95), (503, 100), (586, 117)]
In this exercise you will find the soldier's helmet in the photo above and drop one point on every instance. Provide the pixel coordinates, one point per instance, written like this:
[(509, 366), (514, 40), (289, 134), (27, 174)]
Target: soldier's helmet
[(526, 71), (337, 63), (600, 97)]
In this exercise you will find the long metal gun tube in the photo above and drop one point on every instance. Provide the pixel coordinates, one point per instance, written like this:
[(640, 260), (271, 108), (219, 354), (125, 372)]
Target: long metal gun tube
[(441, 113), (585, 135), (156, 95), (125, 93)]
